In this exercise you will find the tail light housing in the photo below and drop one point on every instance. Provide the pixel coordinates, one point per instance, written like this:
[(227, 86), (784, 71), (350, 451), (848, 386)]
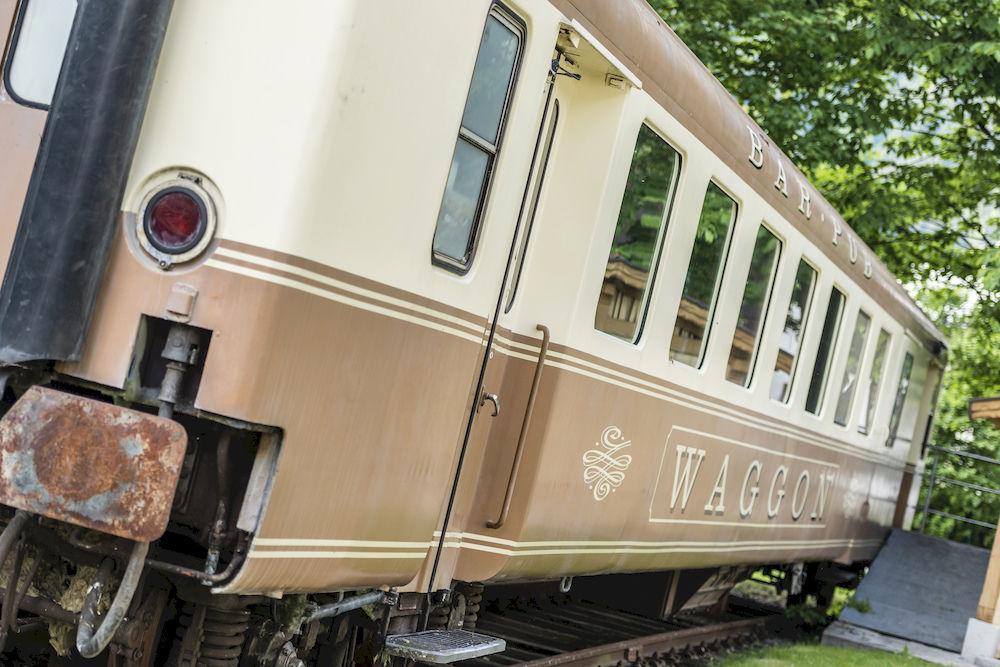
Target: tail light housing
[(176, 221)]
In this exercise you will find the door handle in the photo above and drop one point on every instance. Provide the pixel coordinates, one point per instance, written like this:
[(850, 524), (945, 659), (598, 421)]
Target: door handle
[(492, 398), (523, 435)]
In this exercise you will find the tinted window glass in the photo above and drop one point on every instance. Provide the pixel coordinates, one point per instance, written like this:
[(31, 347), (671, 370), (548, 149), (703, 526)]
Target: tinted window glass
[(494, 70), (869, 396), (477, 145), (849, 384), (636, 243), (791, 335), (827, 340), (41, 44), (460, 206), (897, 406), (701, 285), (755, 297)]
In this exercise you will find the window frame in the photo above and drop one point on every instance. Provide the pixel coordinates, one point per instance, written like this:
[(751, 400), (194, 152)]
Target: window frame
[(748, 384), (865, 346), (668, 209), (893, 434), (8, 60), (831, 357), (807, 313), (720, 277), (876, 397), (519, 27)]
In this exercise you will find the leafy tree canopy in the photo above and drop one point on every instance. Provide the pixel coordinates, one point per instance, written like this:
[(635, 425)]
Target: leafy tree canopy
[(890, 107)]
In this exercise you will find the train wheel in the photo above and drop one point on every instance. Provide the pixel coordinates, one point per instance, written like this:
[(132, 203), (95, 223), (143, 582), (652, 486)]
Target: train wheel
[(143, 636)]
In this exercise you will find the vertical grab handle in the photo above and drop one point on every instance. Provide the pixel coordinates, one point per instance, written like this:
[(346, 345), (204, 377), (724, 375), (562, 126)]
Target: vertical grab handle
[(523, 435)]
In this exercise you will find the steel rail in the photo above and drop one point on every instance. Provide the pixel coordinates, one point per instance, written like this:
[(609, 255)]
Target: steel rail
[(963, 519), (632, 650), (936, 452), (964, 455), (967, 485)]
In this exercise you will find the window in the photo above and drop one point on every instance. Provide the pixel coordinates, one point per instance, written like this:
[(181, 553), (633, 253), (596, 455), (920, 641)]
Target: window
[(532, 204), (763, 262), (701, 285), (827, 341), (897, 406), (849, 385), (478, 142), (40, 40), (791, 335), (635, 247), (870, 395)]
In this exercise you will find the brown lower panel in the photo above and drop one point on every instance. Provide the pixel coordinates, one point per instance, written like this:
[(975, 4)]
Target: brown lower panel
[(599, 484), (371, 405)]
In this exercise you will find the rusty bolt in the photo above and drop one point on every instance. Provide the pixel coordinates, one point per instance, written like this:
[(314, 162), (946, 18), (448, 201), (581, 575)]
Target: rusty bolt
[(288, 657)]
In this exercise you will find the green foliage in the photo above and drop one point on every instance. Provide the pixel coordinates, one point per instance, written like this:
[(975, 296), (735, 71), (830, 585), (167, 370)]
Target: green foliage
[(860, 605), (972, 371), (815, 655), (806, 616), (846, 598), (890, 107)]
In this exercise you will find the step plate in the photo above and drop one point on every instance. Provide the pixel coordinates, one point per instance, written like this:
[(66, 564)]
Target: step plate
[(443, 646)]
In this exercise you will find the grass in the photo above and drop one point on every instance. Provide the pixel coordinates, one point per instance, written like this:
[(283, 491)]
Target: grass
[(808, 622), (815, 655)]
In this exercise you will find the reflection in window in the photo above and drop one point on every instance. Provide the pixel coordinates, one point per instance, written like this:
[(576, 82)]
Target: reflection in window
[(869, 395), (763, 262), (478, 142), (41, 45), (791, 335), (636, 243), (532, 208), (827, 340), (897, 406), (701, 285), (849, 385)]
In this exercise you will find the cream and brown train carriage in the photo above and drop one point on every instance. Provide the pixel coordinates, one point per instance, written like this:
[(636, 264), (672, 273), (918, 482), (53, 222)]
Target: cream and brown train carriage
[(370, 304)]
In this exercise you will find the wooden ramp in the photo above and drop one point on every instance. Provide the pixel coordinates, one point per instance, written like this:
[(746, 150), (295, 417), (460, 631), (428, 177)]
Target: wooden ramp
[(922, 589)]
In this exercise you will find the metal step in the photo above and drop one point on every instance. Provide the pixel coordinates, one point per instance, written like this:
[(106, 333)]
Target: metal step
[(443, 646)]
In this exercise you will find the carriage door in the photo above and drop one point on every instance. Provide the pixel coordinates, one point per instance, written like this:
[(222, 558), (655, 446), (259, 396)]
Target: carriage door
[(497, 71), (504, 396), (34, 34)]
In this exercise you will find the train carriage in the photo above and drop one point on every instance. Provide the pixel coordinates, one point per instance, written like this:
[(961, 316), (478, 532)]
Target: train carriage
[(379, 303)]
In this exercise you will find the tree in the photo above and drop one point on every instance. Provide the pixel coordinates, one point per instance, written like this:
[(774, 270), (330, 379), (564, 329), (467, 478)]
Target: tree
[(890, 107), (974, 339)]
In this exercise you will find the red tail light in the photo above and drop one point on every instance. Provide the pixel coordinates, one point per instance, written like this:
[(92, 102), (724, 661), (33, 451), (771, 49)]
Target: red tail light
[(175, 220)]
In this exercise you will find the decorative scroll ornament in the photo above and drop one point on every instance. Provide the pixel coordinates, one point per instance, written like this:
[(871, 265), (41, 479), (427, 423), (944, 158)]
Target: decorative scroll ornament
[(604, 469)]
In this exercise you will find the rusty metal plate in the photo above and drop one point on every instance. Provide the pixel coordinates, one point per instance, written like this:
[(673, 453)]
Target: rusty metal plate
[(89, 463)]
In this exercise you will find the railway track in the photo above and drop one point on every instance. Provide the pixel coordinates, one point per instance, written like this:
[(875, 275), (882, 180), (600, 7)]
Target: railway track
[(579, 633)]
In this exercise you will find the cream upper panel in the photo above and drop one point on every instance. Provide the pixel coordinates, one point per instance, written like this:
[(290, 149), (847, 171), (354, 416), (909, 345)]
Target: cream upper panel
[(336, 147), (336, 144), (570, 248)]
